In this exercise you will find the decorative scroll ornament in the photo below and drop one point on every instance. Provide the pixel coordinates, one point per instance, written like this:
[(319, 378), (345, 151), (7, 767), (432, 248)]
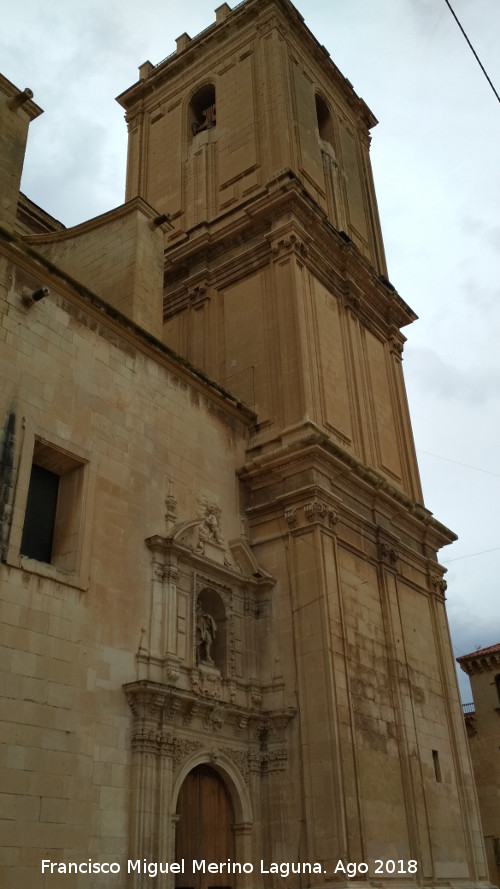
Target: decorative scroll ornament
[(439, 584), (397, 346), (180, 748)]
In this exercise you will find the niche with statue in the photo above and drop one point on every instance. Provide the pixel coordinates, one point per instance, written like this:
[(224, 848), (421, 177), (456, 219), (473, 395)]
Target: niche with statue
[(210, 631)]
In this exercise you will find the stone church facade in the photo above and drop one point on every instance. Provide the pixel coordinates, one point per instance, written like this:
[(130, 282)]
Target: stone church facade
[(223, 615)]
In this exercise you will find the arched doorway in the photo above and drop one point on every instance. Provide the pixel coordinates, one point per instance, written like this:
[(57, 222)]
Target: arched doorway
[(204, 829)]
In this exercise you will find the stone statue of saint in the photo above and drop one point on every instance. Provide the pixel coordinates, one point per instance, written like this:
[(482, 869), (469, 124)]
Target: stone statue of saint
[(206, 629)]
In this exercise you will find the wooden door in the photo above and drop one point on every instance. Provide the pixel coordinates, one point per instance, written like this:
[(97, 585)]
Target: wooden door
[(204, 829)]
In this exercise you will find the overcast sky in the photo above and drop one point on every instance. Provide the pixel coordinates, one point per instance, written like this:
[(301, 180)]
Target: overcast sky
[(435, 155)]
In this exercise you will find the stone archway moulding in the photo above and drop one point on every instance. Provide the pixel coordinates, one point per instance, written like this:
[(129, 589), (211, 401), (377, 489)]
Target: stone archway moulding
[(229, 773)]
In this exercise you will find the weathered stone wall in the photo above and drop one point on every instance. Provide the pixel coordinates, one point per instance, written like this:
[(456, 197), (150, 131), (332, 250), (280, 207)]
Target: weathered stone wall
[(119, 256), (75, 379)]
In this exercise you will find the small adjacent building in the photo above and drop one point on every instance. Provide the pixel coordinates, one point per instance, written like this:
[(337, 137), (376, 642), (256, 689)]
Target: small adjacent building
[(482, 719)]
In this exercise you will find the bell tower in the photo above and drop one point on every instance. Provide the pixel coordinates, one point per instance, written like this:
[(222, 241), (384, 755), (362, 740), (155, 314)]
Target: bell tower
[(275, 284), (257, 148), (251, 97)]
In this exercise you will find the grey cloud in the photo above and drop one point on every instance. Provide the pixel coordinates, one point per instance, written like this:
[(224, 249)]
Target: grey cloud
[(471, 386)]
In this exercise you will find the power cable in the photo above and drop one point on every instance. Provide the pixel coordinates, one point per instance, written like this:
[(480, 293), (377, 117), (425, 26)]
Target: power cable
[(470, 555), (478, 60), (458, 463)]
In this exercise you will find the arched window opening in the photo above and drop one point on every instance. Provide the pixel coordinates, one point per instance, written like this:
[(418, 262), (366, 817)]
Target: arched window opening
[(211, 630), (202, 109), (324, 118), (497, 685)]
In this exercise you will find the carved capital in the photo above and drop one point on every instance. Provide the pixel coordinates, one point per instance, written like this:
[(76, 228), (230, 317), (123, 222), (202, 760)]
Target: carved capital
[(388, 554), (197, 296), (317, 509), (255, 761), (291, 516), (158, 571), (145, 702), (275, 759), (171, 573), (290, 243), (438, 584), (352, 297), (396, 346), (146, 740), (133, 121)]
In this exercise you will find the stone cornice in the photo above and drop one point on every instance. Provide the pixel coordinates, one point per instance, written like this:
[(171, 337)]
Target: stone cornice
[(155, 704), (484, 660), (136, 204), (316, 448), (284, 217)]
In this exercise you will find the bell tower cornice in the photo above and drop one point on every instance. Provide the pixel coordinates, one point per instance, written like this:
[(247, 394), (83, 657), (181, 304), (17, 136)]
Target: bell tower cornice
[(283, 221)]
